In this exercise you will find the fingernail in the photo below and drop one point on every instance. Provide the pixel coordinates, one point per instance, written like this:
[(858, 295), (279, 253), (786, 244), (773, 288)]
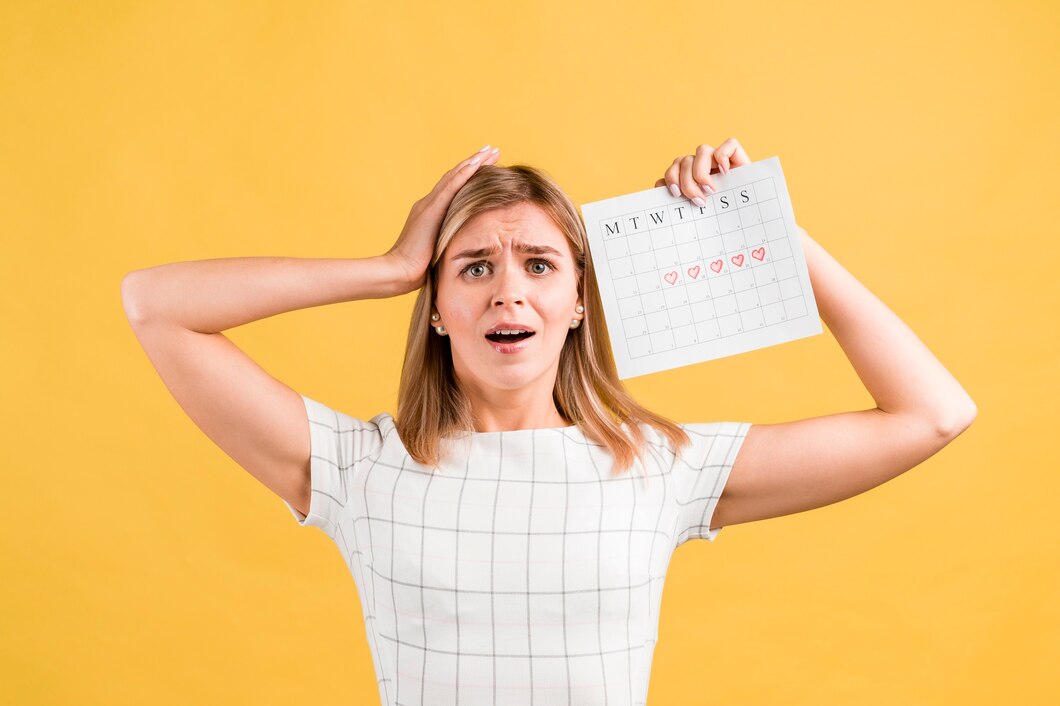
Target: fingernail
[(484, 148), (698, 201), (707, 188), (475, 160), (674, 190), (495, 150)]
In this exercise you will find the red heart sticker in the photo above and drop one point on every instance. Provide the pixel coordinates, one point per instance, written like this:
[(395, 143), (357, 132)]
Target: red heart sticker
[(737, 260), (759, 253), (670, 277), (716, 265), (694, 271)]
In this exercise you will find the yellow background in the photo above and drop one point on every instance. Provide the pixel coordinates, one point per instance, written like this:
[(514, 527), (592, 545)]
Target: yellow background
[(140, 565)]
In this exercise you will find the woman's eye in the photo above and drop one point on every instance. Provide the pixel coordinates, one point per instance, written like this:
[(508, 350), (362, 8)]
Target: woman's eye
[(477, 270)]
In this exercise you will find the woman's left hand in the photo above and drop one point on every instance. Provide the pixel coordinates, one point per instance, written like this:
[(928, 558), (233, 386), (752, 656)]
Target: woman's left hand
[(690, 175)]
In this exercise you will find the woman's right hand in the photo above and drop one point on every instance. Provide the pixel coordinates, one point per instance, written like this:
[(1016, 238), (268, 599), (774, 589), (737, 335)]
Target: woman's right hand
[(414, 248)]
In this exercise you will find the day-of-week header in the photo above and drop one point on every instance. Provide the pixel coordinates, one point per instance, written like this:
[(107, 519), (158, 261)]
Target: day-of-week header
[(676, 213)]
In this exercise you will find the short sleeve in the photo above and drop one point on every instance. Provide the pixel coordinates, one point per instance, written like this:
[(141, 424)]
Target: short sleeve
[(339, 443), (700, 472)]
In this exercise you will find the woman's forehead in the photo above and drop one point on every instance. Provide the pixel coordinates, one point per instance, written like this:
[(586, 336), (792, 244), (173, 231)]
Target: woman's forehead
[(521, 227)]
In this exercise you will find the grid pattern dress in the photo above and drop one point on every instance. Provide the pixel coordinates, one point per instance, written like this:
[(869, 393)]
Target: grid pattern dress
[(522, 571)]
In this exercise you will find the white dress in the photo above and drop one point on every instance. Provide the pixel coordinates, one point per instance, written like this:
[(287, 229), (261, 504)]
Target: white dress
[(522, 571)]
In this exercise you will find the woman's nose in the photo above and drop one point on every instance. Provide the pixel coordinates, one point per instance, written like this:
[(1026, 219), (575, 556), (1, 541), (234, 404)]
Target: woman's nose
[(509, 286)]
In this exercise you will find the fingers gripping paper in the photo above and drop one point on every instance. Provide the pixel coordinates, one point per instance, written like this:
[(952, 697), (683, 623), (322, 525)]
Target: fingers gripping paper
[(683, 284)]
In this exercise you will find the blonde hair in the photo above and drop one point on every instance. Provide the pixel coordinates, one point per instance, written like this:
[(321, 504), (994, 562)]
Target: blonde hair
[(587, 392)]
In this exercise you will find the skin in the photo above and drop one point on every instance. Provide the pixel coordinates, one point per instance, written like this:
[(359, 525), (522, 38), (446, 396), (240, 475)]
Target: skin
[(508, 391)]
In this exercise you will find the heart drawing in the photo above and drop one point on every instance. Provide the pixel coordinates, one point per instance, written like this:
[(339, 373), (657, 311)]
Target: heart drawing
[(759, 253), (670, 277), (716, 265), (693, 272), (737, 260)]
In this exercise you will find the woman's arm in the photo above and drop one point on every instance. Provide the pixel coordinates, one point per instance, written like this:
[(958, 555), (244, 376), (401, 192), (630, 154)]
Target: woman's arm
[(178, 312), (809, 463), (897, 369), (209, 296)]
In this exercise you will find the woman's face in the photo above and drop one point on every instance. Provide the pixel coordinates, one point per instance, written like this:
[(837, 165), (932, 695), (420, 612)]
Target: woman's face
[(508, 268)]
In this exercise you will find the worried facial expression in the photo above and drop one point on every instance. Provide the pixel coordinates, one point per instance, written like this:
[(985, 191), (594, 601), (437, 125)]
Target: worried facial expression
[(507, 269)]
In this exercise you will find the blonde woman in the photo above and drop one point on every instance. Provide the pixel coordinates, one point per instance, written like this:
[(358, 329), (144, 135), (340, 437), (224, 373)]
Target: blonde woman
[(509, 531)]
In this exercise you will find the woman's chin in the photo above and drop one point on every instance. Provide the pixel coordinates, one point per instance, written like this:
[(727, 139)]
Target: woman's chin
[(509, 374)]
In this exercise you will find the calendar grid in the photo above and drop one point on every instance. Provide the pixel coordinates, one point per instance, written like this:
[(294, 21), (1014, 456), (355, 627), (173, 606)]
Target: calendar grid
[(651, 268), (683, 283)]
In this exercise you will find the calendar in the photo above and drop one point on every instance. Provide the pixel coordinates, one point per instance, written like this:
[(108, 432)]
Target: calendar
[(682, 284)]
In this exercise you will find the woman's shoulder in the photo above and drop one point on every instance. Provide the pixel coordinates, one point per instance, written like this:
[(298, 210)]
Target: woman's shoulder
[(384, 421), (340, 421), (698, 433)]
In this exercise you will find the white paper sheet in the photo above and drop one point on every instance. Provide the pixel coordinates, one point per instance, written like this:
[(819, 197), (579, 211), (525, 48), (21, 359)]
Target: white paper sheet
[(683, 284)]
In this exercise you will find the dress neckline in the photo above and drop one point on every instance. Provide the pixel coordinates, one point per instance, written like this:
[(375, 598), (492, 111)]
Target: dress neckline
[(511, 432)]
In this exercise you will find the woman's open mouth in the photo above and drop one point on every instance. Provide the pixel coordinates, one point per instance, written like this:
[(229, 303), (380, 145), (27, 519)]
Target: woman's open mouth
[(510, 342)]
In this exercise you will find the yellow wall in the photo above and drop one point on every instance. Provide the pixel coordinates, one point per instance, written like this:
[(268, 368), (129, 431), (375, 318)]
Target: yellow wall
[(140, 565)]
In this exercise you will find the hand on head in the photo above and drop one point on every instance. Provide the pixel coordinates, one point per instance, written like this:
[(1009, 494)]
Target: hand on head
[(415, 246)]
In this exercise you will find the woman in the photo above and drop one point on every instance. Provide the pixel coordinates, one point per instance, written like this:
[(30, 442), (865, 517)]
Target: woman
[(500, 544)]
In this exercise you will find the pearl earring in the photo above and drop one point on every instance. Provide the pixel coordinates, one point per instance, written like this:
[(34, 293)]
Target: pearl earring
[(440, 330), (575, 323), (434, 317)]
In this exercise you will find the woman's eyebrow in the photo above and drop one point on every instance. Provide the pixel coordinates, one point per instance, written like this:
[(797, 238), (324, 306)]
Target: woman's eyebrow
[(521, 247)]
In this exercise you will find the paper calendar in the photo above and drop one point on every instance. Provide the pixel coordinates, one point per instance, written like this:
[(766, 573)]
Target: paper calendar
[(683, 284)]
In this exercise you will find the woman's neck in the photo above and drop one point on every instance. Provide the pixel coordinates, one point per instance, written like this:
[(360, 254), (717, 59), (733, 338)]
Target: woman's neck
[(514, 410)]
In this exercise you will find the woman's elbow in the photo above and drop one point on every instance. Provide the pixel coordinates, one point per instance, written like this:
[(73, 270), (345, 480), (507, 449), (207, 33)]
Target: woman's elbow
[(954, 424)]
